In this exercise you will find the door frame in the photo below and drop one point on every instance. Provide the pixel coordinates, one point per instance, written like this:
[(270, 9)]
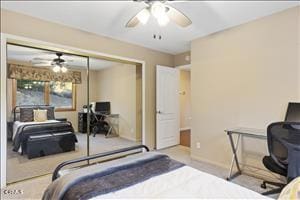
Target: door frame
[(186, 67), (6, 38)]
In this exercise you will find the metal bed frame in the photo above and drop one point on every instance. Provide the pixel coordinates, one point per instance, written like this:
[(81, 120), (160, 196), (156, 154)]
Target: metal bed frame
[(91, 157), (32, 125), (25, 106), (28, 125), (59, 122), (33, 106)]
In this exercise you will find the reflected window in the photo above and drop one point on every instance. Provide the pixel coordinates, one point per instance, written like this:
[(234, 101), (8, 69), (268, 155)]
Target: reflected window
[(30, 92), (62, 95)]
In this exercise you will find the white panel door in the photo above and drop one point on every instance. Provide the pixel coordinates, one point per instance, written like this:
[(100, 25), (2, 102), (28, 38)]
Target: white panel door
[(167, 107)]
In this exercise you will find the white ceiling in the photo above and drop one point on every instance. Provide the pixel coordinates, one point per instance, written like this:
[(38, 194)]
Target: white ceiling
[(108, 18), (24, 54)]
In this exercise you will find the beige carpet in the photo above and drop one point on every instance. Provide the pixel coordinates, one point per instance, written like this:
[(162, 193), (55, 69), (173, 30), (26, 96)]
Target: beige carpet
[(20, 167)]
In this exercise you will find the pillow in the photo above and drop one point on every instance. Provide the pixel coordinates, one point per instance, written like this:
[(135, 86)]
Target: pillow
[(40, 115), (292, 190), (50, 111), (26, 114)]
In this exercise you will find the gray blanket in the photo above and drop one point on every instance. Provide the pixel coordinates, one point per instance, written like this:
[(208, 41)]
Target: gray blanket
[(109, 177)]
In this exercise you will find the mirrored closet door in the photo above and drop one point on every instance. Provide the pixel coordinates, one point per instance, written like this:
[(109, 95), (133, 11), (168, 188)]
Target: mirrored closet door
[(116, 104), (46, 92)]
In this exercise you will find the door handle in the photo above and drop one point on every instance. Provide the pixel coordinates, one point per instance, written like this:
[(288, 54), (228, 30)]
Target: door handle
[(158, 112)]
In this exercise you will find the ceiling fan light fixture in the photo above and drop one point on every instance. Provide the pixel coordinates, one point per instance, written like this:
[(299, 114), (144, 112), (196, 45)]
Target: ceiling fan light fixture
[(64, 69), (56, 68), (161, 11), (163, 20), (143, 16), (158, 9)]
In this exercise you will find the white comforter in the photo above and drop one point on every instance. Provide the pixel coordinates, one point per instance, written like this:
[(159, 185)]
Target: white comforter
[(185, 182)]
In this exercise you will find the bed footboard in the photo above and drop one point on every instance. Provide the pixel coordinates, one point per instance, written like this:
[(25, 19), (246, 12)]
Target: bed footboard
[(100, 155)]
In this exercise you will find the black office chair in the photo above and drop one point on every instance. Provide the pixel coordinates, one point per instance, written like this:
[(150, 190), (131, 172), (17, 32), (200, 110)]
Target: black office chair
[(284, 149), (98, 124)]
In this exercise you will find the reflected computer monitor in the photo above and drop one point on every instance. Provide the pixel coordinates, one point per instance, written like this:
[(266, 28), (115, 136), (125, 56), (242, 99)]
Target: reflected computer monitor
[(102, 107)]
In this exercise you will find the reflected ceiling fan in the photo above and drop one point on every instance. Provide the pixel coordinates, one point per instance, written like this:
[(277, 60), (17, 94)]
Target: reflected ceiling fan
[(58, 64), (161, 11)]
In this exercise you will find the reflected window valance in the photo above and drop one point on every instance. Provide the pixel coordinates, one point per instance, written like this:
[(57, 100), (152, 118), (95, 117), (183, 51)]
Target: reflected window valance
[(22, 72)]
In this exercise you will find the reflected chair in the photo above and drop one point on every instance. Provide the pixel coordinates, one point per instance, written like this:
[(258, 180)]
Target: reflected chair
[(98, 124), (284, 149)]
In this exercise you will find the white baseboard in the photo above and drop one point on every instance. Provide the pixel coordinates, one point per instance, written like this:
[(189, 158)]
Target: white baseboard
[(185, 129)]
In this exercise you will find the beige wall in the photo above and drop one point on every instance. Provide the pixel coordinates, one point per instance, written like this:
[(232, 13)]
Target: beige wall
[(26, 26), (244, 76), (181, 59), (93, 76), (119, 86), (185, 99)]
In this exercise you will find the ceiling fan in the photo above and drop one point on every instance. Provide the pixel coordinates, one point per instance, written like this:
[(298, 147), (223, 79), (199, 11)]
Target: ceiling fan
[(58, 64), (161, 11)]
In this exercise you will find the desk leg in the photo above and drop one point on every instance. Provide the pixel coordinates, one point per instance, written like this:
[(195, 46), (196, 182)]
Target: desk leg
[(109, 131), (234, 157)]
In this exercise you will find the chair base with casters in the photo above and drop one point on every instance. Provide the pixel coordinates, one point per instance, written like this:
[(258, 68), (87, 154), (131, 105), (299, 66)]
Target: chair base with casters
[(99, 124), (270, 164), (100, 127), (277, 190)]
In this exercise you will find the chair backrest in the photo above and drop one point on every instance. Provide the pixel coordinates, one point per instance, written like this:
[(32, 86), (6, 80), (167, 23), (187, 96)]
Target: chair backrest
[(93, 118), (293, 112), (279, 135)]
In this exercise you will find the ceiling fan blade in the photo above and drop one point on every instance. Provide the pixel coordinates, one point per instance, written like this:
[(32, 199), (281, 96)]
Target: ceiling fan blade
[(134, 21), (41, 59), (65, 64), (178, 17), (41, 64)]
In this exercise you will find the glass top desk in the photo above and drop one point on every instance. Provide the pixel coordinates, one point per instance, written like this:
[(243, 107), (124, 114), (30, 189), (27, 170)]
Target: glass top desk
[(245, 132), (113, 121)]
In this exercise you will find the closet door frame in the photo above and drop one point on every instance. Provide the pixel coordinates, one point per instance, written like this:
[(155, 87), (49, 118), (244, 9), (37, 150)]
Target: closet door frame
[(19, 40)]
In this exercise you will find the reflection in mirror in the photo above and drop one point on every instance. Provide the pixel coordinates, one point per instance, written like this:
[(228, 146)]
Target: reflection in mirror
[(116, 105), (46, 89)]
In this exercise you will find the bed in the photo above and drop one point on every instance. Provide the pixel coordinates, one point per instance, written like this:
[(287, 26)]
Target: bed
[(143, 175), (36, 139)]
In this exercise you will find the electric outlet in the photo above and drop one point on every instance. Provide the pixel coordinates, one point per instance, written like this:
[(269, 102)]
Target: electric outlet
[(198, 145)]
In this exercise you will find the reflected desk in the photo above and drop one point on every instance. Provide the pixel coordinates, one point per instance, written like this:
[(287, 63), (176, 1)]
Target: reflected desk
[(111, 119), (244, 132)]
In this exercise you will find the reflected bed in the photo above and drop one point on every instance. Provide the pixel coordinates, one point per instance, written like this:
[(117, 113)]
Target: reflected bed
[(36, 139)]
